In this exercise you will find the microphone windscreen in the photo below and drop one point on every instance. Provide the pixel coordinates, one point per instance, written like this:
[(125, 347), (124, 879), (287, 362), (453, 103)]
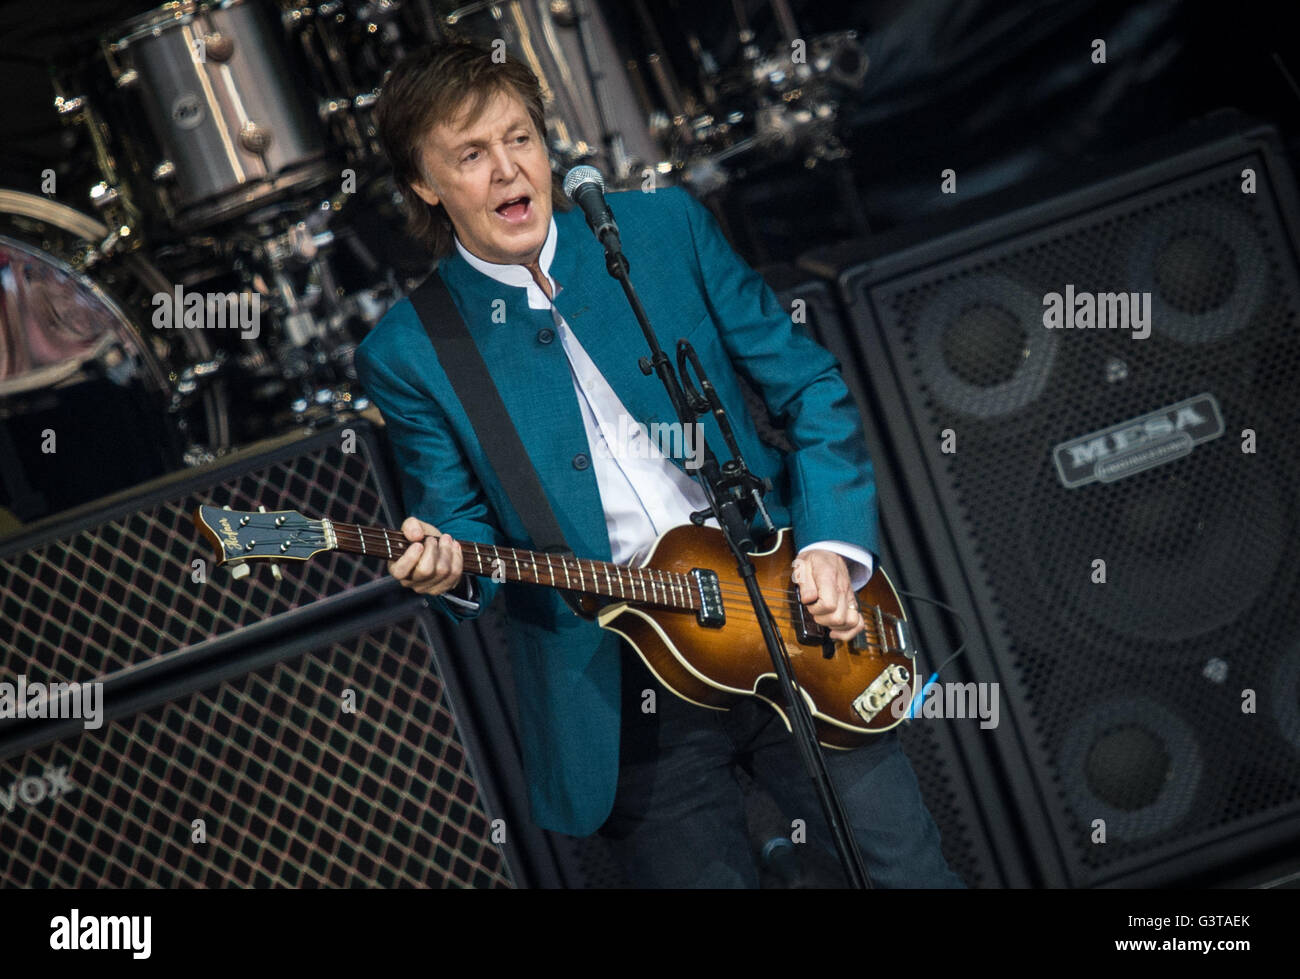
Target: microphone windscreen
[(578, 176)]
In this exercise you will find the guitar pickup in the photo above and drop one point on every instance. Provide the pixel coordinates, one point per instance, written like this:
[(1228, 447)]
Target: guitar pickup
[(884, 688), (711, 613), (806, 630), (904, 637)]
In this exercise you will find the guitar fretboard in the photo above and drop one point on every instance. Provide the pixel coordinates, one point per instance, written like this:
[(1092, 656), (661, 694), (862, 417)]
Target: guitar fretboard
[(646, 585)]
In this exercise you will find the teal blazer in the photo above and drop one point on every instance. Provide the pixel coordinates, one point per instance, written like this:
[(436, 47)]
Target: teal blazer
[(692, 285)]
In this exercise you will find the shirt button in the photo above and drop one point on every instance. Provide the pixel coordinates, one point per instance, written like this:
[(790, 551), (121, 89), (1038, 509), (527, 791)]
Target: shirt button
[(545, 336), (580, 461)]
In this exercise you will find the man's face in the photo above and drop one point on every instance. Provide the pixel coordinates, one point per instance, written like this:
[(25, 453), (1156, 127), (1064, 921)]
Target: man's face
[(474, 169)]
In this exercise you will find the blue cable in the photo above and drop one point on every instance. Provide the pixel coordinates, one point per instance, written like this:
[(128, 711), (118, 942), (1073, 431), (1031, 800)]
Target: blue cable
[(913, 709)]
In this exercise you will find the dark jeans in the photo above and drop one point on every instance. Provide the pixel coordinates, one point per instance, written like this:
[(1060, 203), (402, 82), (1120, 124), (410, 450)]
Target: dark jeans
[(679, 814)]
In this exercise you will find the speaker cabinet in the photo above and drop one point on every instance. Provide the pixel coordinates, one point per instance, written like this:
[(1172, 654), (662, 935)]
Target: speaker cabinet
[(335, 758), (1112, 503)]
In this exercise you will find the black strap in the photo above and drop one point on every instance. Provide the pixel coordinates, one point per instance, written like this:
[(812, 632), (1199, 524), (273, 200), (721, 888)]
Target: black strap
[(478, 394)]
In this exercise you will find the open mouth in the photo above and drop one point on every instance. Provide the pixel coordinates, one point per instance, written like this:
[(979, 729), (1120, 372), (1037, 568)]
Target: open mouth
[(516, 210)]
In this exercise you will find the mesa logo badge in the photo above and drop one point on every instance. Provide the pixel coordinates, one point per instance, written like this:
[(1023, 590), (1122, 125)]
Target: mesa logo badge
[(1138, 444)]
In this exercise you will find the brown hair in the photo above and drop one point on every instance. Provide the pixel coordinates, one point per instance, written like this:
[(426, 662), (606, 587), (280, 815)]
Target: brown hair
[(430, 87)]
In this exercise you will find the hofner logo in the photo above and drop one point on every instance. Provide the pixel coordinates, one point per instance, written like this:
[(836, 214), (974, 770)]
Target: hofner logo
[(232, 538), (1140, 443)]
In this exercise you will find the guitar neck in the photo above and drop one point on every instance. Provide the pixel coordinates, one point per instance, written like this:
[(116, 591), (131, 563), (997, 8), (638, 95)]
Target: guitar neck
[(587, 577)]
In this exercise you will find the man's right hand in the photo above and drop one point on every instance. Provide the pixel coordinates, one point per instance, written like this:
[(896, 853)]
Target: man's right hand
[(432, 564)]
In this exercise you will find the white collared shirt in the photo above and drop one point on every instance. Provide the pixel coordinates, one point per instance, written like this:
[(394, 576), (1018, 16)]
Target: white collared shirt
[(643, 493)]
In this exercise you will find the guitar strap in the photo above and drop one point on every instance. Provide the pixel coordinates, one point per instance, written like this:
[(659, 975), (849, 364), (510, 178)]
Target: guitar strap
[(478, 394)]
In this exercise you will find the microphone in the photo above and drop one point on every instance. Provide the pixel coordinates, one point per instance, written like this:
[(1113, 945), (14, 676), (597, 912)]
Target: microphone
[(586, 187)]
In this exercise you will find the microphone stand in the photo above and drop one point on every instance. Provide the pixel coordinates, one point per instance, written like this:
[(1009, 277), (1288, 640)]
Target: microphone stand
[(733, 495)]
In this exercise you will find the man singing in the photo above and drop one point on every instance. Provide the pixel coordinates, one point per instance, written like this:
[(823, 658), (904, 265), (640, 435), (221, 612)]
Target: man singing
[(465, 136)]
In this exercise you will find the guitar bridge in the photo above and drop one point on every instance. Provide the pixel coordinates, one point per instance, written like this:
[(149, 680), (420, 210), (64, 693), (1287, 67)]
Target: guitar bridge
[(711, 613)]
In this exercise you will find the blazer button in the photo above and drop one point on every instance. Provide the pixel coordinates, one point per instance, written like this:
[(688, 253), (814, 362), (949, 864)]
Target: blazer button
[(545, 336), (580, 461)]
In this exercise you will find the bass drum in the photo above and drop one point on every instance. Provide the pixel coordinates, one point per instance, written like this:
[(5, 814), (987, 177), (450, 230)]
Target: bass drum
[(91, 400)]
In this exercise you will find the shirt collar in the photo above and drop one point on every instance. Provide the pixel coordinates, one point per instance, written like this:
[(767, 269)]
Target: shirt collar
[(514, 275)]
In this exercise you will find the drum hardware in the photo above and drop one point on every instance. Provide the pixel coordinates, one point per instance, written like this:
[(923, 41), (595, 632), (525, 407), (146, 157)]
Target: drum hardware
[(656, 117), (209, 154), (286, 257), (460, 13), (592, 112), (341, 112), (668, 90), (71, 343), (563, 12), (109, 197), (209, 111), (789, 107), (785, 17), (298, 244), (341, 44), (708, 68)]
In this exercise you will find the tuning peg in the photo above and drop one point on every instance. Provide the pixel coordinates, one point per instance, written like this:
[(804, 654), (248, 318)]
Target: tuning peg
[(240, 570), (275, 571)]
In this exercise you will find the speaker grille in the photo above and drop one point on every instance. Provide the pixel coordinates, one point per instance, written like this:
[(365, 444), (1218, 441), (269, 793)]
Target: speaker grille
[(947, 800), (96, 597), (293, 789), (943, 782), (1132, 690)]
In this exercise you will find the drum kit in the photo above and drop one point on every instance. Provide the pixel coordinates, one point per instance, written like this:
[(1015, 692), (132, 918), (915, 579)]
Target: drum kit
[(234, 156)]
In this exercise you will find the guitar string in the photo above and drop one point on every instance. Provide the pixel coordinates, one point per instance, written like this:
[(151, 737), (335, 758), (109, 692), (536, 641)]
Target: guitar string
[(728, 590), (732, 591), (748, 615)]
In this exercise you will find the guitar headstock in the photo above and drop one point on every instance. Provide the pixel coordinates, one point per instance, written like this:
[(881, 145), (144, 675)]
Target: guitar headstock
[(275, 535)]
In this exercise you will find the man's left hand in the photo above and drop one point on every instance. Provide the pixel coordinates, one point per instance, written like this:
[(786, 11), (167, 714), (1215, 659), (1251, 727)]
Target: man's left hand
[(826, 591)]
